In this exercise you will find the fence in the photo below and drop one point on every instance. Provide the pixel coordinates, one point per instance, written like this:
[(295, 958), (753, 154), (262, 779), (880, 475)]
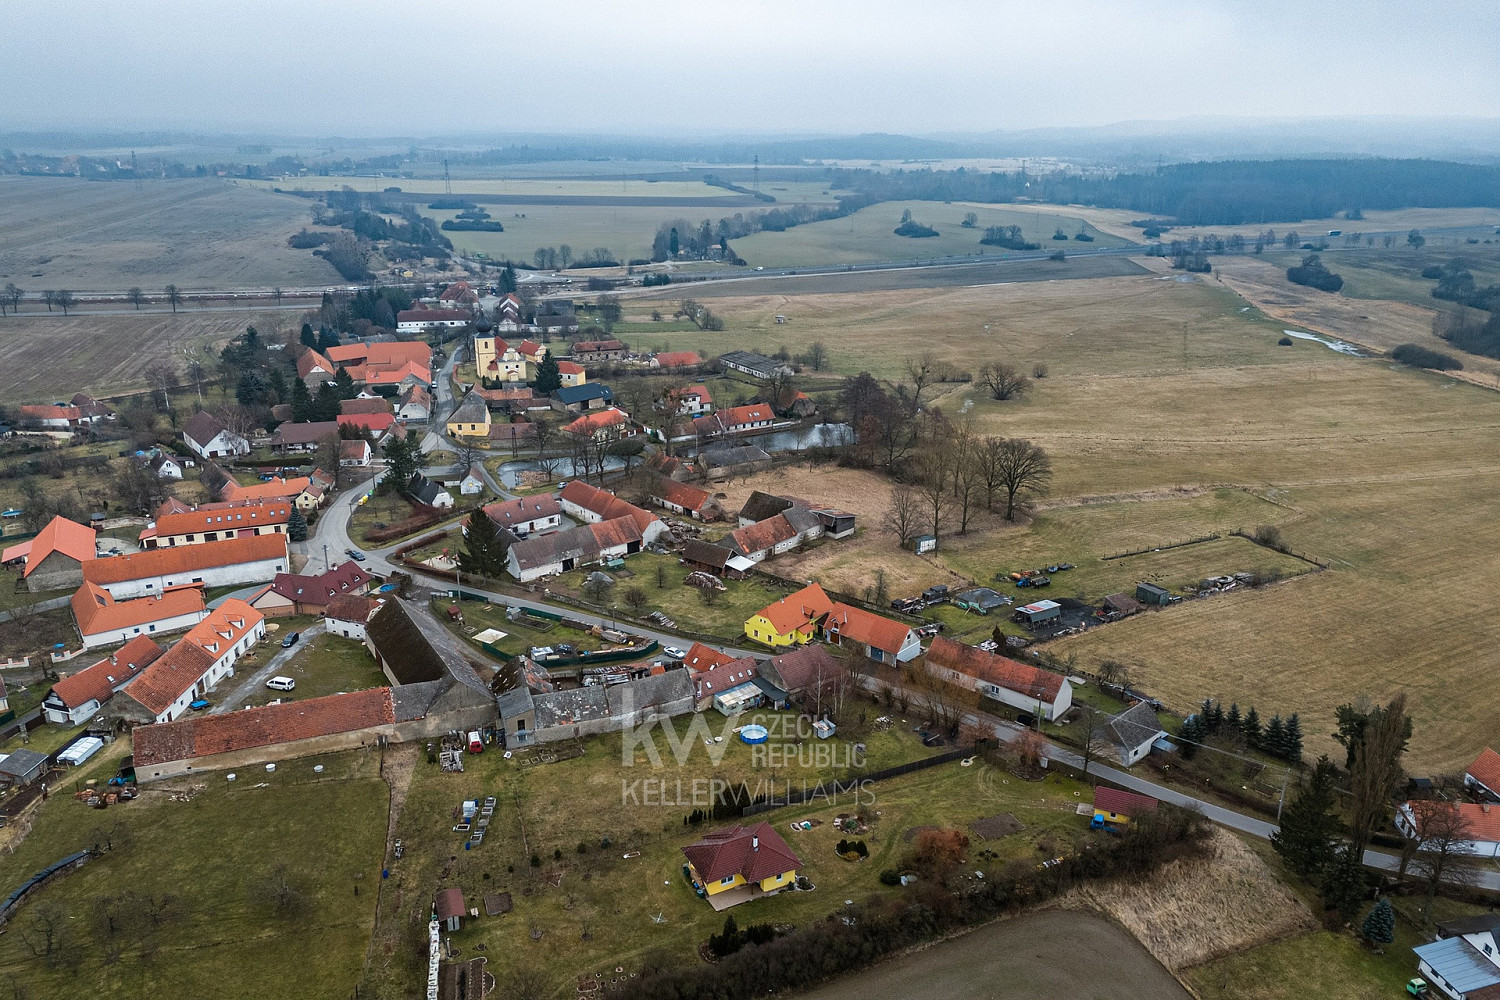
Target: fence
[(1161, 548), (1284, 550), (823, 789)]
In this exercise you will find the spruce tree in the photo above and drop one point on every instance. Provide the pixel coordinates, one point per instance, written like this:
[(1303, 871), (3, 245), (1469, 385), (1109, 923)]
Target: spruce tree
[(1251, 727), (327, 338), (484, 550), (296, 526), (1206, 715), (1343, 883), (326, 403), (1233, 721), (1291, 747), (1191, 734), (507, 281), (1380, 924), (302, 402), (402, 458), (1216, 721), (1274, 742), (1309, 830), (547, 377), (308, 338), (345, 384)]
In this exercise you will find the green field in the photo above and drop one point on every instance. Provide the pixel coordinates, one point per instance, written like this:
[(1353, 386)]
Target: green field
[(602, 912), (204, 865), (867, 237), (327, 664), (1396, 274)]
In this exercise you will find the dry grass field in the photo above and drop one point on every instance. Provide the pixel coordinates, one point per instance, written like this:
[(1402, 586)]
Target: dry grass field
[(1115, 220), (49, 356), (97, 236), (527, 187), (1171, 406)]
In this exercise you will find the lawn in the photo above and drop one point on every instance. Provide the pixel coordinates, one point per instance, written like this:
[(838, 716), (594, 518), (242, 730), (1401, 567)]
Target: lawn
[(205, 862), (607, 910), (326, 664), (391, 509), (519, 637), (685, 605), (866, 236)]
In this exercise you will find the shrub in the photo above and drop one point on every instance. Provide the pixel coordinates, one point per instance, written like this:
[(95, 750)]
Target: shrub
[(1285, 342), (1313, 274), (1432, 272), (1418, 356), (1057, 255), (890, 877), (915, 230), (1270, 536)]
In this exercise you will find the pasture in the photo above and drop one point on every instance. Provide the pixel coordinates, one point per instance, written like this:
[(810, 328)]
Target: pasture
[(109, 237), (1116, 220), (866, 236), (1171, 411), (624, 189), (50, 356)]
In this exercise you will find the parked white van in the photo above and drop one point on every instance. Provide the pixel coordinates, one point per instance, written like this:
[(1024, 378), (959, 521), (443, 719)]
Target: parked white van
[(281, 684)]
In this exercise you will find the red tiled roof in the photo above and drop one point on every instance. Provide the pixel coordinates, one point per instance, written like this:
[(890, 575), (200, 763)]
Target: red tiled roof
[(1486, 770), (202, 735), (182, 666), (1120, 803), (449, 904), (678, 359), (96, 611), (45, 411), (794, 611), (182, 558), (592, 423), (529, 348), (723, 676), (754, 852), (1482, 819), (310, 361), (219, 518), (605, 504), (615, 532), (683, 495), (701, 657), (459, 291), (376, 422), (98, 681), (863, 626), (74, 540), (701, 391), (739, 415), (569, 368), (273, 489), (997, 670)]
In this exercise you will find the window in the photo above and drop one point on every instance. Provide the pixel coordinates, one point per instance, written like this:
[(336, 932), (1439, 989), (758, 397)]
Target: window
[(727, 881), (149, 628)]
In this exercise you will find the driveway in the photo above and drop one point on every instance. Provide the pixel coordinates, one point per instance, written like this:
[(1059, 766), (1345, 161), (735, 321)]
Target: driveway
[(257, 680)]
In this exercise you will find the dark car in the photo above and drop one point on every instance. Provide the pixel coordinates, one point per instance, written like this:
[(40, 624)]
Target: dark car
[(356, 555), (290, 640)]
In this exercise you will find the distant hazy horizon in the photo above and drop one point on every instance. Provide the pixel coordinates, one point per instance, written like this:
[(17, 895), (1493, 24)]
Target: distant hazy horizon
[(711, 68)]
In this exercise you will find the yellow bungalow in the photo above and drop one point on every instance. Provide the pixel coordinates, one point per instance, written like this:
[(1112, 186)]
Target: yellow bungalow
[(793, 620), (571, 373), (471, 419), (1113, 807), (747, 861)]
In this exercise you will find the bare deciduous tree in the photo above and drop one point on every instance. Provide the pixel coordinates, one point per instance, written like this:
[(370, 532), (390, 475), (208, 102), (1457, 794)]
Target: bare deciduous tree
[(920, 370), (1002, 380), (174, 296), (901, 516), (932, 469), (1443, 854), (1022, 470), (1377, 769), (64, 300)]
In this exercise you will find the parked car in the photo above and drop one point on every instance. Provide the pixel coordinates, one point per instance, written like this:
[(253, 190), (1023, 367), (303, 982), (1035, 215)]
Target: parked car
[(290, 640), (927, 631), (356, 555), (281, 684)]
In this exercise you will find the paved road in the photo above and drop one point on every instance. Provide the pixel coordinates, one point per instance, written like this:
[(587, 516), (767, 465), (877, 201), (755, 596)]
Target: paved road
[(245, 688), (1008, 731)]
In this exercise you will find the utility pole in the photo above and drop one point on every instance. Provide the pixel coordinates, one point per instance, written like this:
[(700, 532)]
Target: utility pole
[(447, 181), (755, 174)]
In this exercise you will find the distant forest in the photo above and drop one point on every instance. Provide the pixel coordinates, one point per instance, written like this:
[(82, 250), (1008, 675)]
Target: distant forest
[(1231, 192)]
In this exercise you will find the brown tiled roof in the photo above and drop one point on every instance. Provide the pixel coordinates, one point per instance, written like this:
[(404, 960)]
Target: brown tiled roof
[(164, 681), (523, 509), (98, 681), (762, 535), (46, 411), (701, 657), (723, 676), (754, 852), (1486, 770), (615, 532), (354, 450), (431, 315), (997, 670), (74, 540), (351, 608), (588, 346), (605, 504), (203, 735), (344, 578), (748, 414), (794, 611), (182, 558), (376, 404), (683, 495), (875, 631), (273, 489), (706, 553), (304, 433), (1122, 803), (449, 904), (202, 428), (801, 668), (96, 611)]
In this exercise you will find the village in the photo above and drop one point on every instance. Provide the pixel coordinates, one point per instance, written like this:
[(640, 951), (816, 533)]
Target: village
[(501, 542)]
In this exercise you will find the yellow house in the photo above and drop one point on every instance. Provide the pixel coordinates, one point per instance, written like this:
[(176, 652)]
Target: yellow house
[(509, 367), (571, 373), (487, 350), (1113, 807), (309, 499), (753, 858), (792, 620), (471, 419)]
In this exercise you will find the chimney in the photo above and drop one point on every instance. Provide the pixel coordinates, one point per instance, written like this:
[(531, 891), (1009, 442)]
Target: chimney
[(754, 843)]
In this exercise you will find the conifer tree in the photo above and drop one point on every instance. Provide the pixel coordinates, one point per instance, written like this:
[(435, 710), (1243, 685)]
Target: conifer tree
[(1274, 742), (302, 402), (1233, 720), (1251, 727), (1291, 747), (1308, 837), (548, 379), (296, 526), (1343, 882), (484, 549), (308, 338), (1380, 923)]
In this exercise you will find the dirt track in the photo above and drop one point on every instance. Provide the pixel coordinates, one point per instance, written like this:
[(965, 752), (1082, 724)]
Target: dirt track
[(1053, 955)]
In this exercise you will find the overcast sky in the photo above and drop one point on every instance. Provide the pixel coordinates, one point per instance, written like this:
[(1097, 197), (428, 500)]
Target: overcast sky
[(381, 67)]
